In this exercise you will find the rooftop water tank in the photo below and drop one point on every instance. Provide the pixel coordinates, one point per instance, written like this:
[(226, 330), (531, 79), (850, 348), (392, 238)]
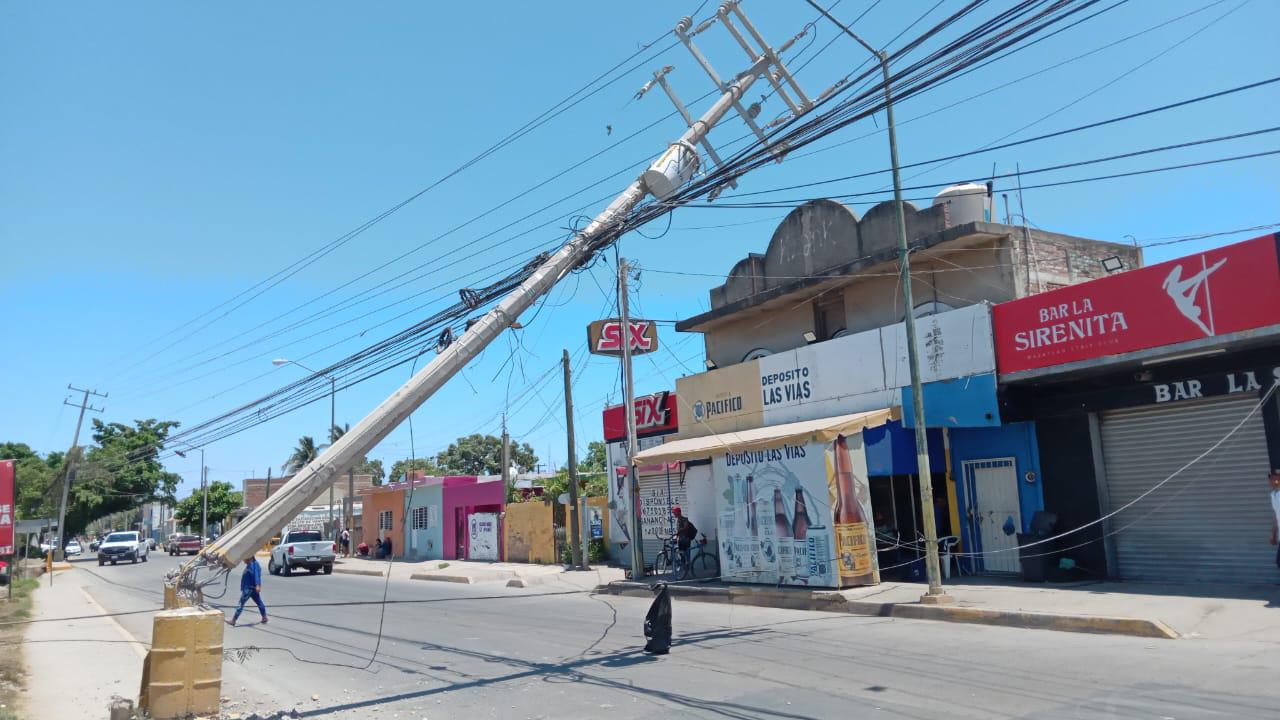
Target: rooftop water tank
[(968, 203)]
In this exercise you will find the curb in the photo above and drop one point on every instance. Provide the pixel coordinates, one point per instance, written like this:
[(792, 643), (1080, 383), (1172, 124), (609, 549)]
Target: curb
[(357, 571), (835, 602), (464, 579)]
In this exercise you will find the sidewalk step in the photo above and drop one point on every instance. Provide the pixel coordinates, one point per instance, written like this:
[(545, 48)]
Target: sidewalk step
[(832, 601)]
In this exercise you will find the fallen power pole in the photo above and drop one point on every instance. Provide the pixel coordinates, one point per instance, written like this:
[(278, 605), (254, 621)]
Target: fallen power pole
[(671, 171)]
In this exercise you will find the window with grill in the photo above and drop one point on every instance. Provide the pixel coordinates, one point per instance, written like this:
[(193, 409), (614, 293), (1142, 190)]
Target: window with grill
[(384, 520), (421, 518)]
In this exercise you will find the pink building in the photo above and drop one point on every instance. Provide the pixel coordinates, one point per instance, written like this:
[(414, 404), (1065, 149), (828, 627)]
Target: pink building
[(472, 517)]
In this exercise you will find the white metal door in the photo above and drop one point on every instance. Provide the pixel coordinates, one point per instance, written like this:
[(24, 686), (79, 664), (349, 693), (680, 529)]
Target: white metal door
[(659, 492), (992, 487)]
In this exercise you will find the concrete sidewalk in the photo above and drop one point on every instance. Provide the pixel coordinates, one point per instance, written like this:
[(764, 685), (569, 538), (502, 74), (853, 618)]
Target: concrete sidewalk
[(1137, 609), (470, 572), (76, 652)]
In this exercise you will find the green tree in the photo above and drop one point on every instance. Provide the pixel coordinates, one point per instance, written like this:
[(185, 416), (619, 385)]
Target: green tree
[(304, 453), (426, 466), (595, 459), (482, 455), (121, 472), (223, 500), (36, 479)]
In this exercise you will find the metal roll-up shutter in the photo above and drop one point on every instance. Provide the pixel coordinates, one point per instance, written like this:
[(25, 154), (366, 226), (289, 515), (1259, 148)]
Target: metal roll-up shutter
[(659, 492), (1211, 522)]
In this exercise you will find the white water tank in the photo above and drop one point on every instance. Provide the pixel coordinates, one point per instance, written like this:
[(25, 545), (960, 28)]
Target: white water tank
[(968, 203), (670, 172)]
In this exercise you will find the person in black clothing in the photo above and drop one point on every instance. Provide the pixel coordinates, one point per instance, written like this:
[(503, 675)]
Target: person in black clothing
[(685, 535), (657, 622)]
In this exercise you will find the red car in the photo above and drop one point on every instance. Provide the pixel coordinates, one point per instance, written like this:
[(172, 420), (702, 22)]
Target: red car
[(185, 545)]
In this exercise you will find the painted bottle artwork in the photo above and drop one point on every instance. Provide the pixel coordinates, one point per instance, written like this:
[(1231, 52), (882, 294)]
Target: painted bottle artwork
[(853, 539)]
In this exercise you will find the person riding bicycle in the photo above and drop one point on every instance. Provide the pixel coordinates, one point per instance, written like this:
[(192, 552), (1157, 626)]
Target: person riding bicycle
[(686, 533)]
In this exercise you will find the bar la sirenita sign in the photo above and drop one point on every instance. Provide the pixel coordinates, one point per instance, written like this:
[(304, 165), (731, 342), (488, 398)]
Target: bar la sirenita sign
[(1068, 322), (1231, 383)]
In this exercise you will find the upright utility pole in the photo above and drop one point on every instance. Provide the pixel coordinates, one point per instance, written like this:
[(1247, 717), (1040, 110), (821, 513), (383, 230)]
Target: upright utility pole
[(333, 429), (673, 169), (349, 522), (629, 409), (204, 506), (70, 474), (935, 594), (575, 538), (268, 493), (507, 481)]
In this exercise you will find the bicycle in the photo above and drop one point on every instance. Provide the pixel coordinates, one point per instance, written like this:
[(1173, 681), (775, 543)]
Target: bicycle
[(702, 565)]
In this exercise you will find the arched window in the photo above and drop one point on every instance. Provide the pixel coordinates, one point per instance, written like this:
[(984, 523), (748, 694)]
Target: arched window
[(756, 354)]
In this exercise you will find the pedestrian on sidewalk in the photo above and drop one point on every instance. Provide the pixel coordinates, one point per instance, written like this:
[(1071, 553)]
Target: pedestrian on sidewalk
[(251, 587), (1274, 480), (346, 542), (686, 533)]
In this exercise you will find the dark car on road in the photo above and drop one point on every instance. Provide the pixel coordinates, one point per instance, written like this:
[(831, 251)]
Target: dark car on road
[(185, 545)]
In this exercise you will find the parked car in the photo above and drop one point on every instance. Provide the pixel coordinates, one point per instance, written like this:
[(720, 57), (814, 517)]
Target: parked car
[(46, 546), (93, 545), (73, 548), (125, 545), (152, 544), (302, 549), (185, 545), (173, 537)]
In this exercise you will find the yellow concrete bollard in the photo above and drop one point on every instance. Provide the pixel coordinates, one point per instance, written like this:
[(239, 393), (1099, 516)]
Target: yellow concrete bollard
[(183, 671)]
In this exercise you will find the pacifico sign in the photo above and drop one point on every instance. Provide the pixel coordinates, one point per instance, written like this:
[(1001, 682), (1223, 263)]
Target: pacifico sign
[(1218, 292)]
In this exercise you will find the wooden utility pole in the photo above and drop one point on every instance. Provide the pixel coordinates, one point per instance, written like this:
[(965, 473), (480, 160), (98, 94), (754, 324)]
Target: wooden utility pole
[(575, 537), (69, 475)]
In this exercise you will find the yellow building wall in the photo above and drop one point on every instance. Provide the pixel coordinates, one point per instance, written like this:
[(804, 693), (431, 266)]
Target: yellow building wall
[(602, 504), (530, 533)]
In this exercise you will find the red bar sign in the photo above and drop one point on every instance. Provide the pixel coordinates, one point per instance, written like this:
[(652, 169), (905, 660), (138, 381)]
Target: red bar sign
[(1217, 292)]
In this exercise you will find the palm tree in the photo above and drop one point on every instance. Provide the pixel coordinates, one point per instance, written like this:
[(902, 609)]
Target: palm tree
[(336, 432), (303, 454)]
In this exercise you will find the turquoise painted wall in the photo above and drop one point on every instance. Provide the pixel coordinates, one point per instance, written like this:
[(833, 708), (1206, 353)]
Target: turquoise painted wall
[(425, 544)]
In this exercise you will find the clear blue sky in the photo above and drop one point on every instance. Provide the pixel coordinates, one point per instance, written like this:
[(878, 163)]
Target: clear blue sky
[(158, 158)]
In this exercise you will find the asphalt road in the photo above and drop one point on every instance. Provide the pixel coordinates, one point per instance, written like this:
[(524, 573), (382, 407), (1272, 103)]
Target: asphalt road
[(483, 650)]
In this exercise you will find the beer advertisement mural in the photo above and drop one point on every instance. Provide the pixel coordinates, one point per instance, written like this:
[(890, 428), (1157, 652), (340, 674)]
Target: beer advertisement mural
[(795, 513)]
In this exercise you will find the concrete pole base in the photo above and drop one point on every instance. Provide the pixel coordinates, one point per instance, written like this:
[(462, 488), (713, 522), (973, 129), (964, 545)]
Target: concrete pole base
[(941, 598)]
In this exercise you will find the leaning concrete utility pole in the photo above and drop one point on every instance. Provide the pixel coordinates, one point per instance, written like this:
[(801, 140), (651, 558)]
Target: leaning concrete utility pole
[(935, 595), (70, 474), (312, 479), (672, 170)]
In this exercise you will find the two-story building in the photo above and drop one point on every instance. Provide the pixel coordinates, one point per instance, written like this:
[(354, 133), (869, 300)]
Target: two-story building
[(806, 350)]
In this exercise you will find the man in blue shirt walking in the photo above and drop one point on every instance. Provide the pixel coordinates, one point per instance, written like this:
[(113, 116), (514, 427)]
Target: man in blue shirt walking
[(250, 587)]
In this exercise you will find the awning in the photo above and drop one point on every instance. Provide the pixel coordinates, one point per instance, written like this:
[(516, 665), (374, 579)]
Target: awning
[(823, 430)]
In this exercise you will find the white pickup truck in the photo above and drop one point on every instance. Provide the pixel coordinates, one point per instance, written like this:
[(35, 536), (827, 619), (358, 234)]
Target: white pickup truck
[(126, 545), (302, 549)]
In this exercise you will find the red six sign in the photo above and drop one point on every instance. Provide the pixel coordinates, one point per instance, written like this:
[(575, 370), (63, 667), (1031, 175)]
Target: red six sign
[(604, 337)]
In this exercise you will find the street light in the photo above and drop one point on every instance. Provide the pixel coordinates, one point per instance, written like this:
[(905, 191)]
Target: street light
[(935, 594), (333, 392)]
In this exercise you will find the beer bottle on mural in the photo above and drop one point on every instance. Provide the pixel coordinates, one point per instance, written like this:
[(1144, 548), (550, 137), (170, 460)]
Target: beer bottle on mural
[(751, 506), (782, 534), (852, 539), (800, 539)]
